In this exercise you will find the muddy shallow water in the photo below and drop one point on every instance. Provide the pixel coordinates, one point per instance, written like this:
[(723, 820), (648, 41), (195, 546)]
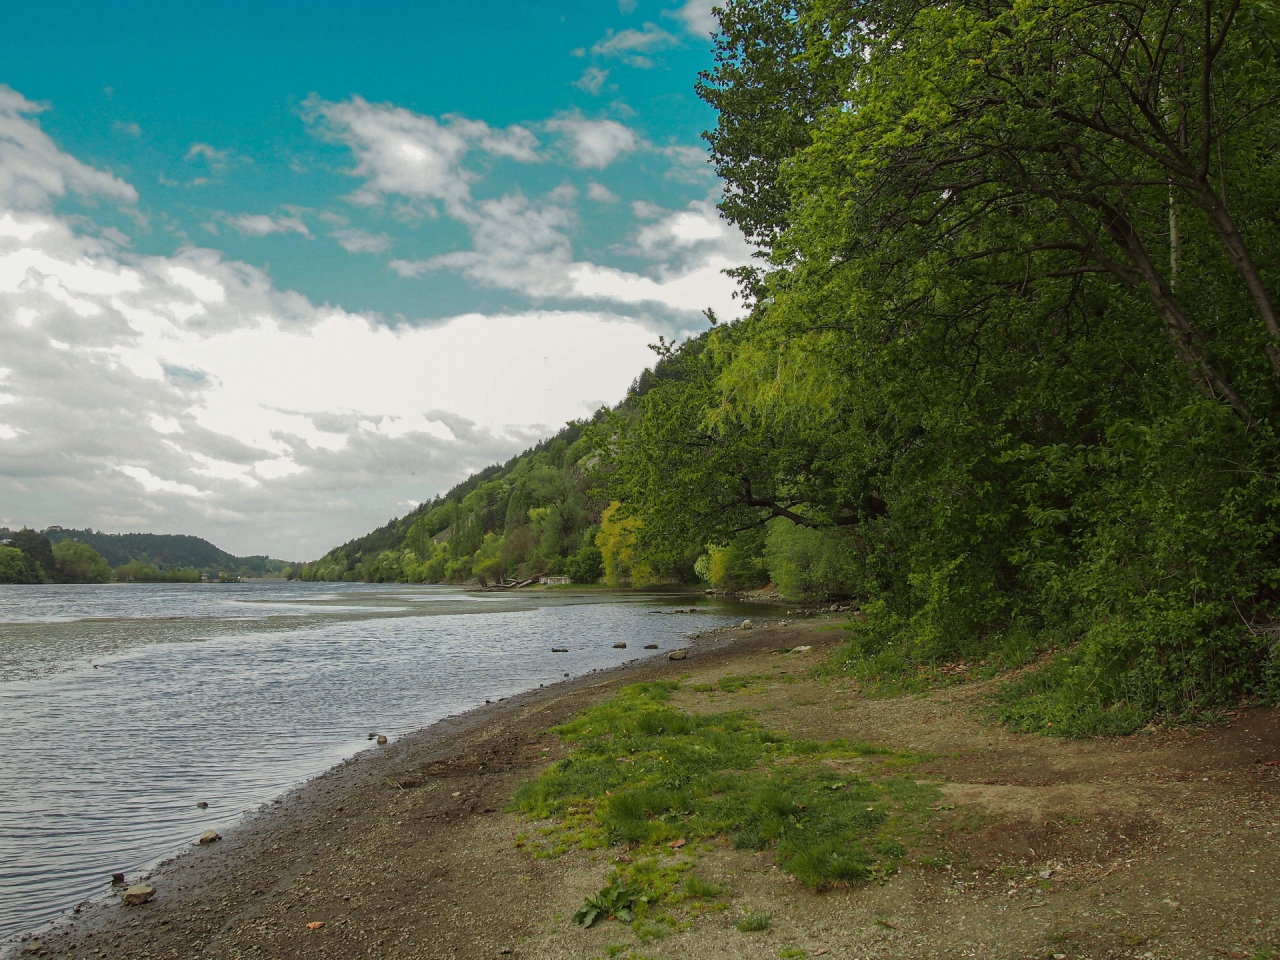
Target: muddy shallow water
[(123, 706)]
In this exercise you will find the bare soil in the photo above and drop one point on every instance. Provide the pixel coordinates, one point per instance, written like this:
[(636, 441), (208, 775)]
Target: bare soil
[(1164, 844)]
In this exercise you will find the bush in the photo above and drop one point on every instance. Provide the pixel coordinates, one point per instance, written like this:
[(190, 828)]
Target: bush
[(80, 563), (585, 566), (804, 563), (17, 567)]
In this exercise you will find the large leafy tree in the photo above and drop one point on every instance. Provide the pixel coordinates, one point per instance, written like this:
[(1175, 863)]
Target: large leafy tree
[(1014, 329)]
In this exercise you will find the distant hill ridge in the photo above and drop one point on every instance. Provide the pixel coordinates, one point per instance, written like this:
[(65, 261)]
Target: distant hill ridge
[(166, 550)]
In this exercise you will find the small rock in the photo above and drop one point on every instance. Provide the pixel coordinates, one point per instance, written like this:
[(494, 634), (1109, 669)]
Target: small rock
[(619, 646), (559, 649), (651, 646), (372, 735), (117, 879), (137, 894), (208, 837), (746, 625), (35, 946), (382, 740), (202, 805), (315, 924), (801, 649), (677, 654), (1046, 874)]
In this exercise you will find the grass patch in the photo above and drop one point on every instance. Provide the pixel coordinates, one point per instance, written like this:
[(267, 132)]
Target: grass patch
[(736, 684), (699, 889), (1049, 700), (755, 922), (655, 778)]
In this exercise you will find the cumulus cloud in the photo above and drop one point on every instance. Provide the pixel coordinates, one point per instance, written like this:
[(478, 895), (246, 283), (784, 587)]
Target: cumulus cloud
[(633, 46), (697, 17), (412, 155), (186, 393), (361, 241), (600, 193), (592, 80), (261, 225), (594, 144)]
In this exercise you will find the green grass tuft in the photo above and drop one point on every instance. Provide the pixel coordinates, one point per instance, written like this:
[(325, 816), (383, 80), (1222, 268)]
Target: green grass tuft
[(644, 774), (755, 922)]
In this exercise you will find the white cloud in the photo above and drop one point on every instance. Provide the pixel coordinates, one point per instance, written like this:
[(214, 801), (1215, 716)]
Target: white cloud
[(130, 129), (600, 193), (411, 155), (632, 46), (261, 225), (688, 164), (592, 80), (697, 17), (361, 241), (153, 484), (186, 393), (594, 144), (34, 172)]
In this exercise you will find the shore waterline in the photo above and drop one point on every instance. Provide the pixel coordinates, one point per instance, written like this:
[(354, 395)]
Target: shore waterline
[(139, 713)]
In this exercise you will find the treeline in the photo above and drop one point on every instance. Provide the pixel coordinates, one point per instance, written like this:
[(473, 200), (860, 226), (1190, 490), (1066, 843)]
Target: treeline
[(30, 557), (58, 555), (535, 515), (166, 551)]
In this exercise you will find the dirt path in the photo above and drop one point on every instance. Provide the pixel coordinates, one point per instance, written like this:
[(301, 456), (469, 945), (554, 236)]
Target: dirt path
[(1159, 845)]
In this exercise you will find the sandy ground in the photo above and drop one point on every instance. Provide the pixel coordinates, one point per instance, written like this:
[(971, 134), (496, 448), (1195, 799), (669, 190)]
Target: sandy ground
[(1159, 845)]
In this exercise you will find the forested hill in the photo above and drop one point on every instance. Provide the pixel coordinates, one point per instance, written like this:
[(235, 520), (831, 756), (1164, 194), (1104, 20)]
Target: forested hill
[(530, 516), (168, 551)]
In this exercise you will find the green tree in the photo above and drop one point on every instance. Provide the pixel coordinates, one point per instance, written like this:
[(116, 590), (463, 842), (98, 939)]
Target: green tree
[(17, 567), (80, 563)]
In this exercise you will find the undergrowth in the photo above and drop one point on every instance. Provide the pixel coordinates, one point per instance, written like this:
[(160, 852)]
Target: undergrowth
[(657, 779)]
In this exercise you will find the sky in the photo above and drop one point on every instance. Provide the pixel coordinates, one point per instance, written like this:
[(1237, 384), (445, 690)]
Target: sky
[(272, 273)]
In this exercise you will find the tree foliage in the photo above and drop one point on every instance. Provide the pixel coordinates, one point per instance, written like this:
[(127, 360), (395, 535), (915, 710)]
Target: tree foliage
[(1012, 367)]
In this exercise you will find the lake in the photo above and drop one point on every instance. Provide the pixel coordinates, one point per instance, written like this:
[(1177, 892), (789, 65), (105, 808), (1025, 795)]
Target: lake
[(122, 706)]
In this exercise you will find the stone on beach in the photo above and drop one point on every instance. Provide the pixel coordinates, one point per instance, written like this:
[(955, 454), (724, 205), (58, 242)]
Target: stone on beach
[(651, 646), (208, 837), (619, 646), (117, 879), (677, 654), (137, 894), (382, 740), (746, 625)]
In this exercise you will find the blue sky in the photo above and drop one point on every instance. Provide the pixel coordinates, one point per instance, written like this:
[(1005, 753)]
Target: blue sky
[(135, 90), (274, 272)]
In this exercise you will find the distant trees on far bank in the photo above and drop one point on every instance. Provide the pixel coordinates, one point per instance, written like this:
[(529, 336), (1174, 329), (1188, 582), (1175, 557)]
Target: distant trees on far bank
[(28, 557)]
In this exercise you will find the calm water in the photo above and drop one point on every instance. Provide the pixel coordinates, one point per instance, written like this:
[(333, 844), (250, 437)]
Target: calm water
[(122, 706)]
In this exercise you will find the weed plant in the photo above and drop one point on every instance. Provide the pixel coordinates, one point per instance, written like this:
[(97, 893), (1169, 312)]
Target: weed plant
[(646, 775)]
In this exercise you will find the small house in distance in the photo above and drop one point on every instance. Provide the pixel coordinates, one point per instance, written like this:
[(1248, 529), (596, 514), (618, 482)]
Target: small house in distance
[(555, 581)]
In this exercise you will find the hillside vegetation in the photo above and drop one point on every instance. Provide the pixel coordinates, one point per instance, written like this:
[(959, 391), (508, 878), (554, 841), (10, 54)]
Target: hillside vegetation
[(1010, 376), (59, 555)]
